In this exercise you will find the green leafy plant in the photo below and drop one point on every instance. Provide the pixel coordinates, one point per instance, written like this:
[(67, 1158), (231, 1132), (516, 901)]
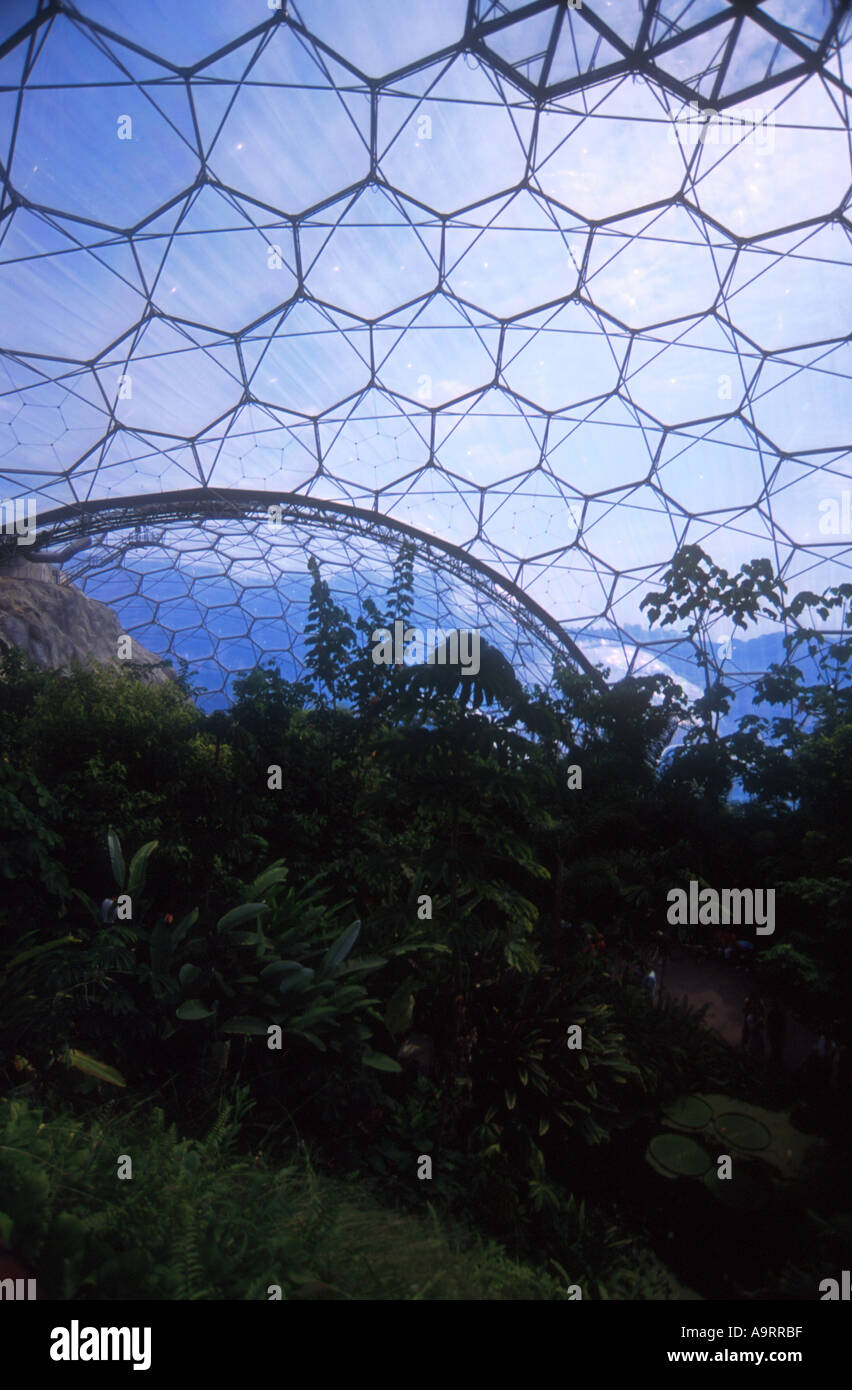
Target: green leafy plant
[(203, 1220)]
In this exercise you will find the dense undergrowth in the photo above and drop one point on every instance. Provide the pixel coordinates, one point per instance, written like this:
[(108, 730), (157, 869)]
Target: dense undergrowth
[(199, 1220), (364, 911)]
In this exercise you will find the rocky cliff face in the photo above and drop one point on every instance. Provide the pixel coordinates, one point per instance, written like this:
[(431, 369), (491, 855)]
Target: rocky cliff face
[(55, 623)]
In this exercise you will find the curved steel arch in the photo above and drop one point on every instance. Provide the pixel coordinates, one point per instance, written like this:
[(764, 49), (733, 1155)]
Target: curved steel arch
[(539, 59), (64, 525)]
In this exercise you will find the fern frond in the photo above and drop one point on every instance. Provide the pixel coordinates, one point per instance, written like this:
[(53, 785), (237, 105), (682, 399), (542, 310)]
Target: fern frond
[(192, 1286), (220, 1127)]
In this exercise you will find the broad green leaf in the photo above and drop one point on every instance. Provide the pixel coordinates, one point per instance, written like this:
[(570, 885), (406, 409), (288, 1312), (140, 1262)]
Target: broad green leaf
[(246, 1024), (193, 1009), (380, 1061), (277, 873), (350, 967), (313, 1016), (241, 914), (340, 949), (280, 967), (309, 1037), (183, 927), (357, 1005), (92, 1067), (188, 973), (346, 993), (39, 950), (116, 858), (139, 868), (297, 981)]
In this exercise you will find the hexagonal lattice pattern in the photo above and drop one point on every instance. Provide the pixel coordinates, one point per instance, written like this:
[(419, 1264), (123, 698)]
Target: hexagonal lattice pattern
[(558, 288)]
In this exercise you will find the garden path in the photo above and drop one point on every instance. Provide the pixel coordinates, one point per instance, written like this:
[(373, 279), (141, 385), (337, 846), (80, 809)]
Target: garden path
[(723, 989)]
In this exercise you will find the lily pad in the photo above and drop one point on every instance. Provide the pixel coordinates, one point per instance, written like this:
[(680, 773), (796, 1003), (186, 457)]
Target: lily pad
[(678, 1156), (743, 1131), (688, 1112)]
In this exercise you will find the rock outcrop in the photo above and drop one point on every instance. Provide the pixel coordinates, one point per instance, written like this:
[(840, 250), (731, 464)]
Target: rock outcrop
[(55, 623)]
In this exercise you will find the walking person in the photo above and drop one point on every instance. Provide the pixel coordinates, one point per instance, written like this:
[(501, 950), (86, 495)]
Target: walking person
[(752, 1014), (756, 1034)]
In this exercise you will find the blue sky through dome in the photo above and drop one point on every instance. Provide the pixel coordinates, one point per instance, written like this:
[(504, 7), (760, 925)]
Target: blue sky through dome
[(479, 275)]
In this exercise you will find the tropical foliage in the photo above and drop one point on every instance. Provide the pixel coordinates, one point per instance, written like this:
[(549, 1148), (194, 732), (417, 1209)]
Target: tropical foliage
[(375, 901)]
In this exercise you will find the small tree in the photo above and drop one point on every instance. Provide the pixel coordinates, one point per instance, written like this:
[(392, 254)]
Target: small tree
[(330, 639), (703, 593), (400, 595)]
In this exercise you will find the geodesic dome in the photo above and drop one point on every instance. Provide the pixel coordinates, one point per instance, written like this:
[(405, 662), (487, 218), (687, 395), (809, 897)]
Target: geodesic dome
[(548, 290)]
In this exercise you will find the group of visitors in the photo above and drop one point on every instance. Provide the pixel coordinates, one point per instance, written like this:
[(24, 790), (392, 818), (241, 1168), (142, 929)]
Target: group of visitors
[(727, 947), (828, 1065)]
